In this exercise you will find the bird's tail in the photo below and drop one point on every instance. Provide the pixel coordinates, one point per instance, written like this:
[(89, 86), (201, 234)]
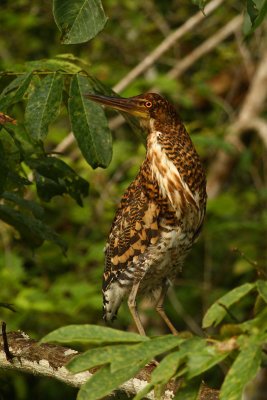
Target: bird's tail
[(112, 298)]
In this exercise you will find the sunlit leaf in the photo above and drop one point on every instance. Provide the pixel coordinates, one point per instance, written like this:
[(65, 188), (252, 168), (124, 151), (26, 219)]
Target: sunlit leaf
[(80, 20), (259, 322), (89, 124), (218, 310), (262, 289), (91, 334), (189, 390), (120, 355), (53, 64), (162, 374), (244, 368), (103, 381), (8, 306), (98, 356), (43, 105), (204, 357)]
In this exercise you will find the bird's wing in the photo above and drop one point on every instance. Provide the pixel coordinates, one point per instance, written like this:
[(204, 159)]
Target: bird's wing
[(135, 227)]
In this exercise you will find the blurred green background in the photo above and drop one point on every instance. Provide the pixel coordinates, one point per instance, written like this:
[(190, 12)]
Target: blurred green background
[(48, 289)]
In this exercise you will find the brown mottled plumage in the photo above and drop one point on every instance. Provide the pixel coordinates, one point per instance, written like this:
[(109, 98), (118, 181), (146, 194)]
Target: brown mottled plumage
[(160, 214)]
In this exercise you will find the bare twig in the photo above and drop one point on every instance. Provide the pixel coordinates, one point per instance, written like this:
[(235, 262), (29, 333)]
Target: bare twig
[(50, 360), (190, 322), (247, 118), (65, 144), (205, 47), (180, 67), (8, 354), (166, 44)]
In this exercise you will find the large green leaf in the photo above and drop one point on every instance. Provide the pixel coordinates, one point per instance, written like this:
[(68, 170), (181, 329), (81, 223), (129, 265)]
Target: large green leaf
[(79, 20), (202, 357), (32, 230), (99, 356), (43, 105), (252, 11), (262, 289), (147, 351), (123, 354), (103, 381), (53, 64), (3, 168), (15, 91), (54, 177), (93, 334), (89, 124), (242, 371), (218, 310), (162, 374), (29, 205), (257, 11), (189, 390), (257, 323)]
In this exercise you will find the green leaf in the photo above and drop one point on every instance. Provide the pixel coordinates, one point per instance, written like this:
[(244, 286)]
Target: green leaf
[(203, 357), (53, 64), (8, 306), (3, 168), (43, 105), (189, 390), (29, 205), (55, 177), (256, 12), (120, 355), (79, 20), (32, 230), (218, 310), (89, 124), (200, 3), (242, 371), (98, 356), (147, 351), (261, 15), (162, 374), (262, 289), (15, 91), (93, 334), (258, 323), (252, 10), (103, 381)]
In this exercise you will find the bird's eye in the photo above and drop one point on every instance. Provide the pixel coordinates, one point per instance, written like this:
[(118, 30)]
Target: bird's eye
[(148, 104)]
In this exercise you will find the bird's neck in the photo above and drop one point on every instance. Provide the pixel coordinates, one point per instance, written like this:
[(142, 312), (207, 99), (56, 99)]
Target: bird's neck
[(173, 163)]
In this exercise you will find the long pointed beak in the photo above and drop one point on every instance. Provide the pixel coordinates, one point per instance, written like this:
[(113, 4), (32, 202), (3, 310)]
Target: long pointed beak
[(131, 105)]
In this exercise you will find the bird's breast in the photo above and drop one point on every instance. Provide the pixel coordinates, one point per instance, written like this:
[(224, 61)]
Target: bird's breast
[(170, 182)]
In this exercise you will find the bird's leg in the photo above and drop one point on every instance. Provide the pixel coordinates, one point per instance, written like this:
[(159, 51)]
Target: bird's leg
[(160, 309), (133, 309)]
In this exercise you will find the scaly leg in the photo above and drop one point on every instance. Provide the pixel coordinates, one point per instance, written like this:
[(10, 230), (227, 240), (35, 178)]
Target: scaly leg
[(160, 309), (133, 309)]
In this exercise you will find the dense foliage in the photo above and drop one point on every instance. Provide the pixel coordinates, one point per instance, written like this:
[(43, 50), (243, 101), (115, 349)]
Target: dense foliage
[(53, 225)]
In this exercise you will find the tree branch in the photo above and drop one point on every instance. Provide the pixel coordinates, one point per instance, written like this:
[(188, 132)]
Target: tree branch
[(247, 119), (50, 360), (166, 44)]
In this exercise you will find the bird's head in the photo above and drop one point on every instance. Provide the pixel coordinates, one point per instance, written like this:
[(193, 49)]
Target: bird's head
[(145, 107)]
